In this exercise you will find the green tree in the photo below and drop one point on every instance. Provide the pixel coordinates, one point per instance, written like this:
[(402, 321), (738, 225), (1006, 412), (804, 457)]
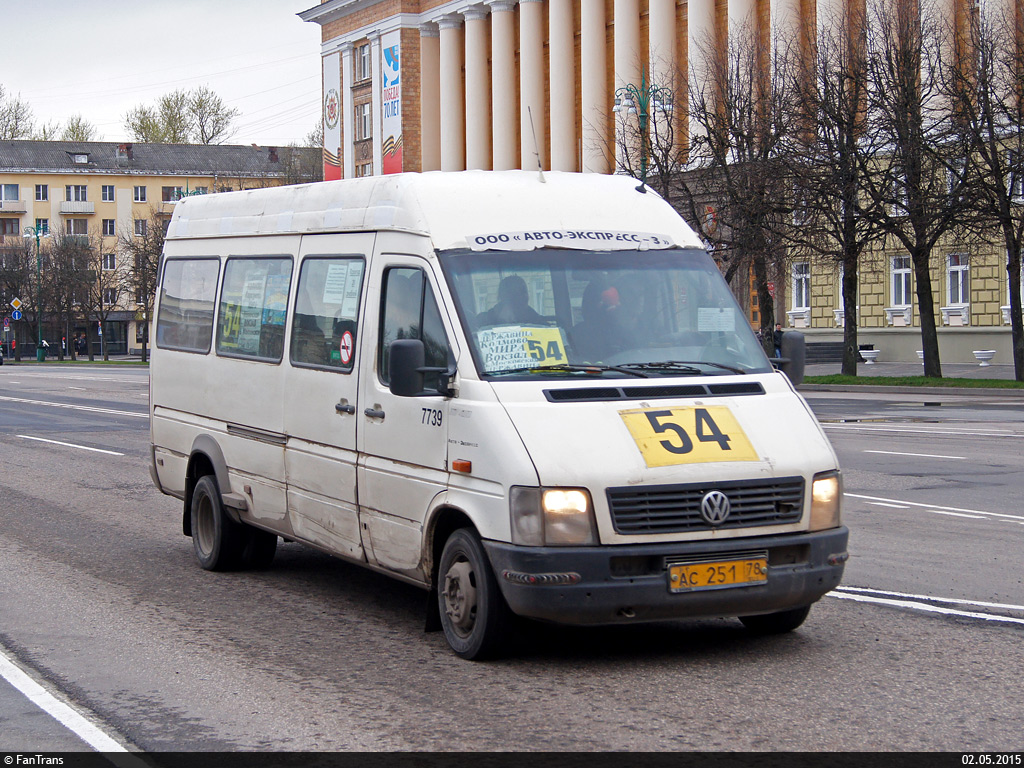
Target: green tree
[(197, 116), (15, 117)]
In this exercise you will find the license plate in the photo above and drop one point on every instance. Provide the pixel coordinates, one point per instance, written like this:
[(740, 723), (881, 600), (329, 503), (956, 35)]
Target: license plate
[(687, 577)]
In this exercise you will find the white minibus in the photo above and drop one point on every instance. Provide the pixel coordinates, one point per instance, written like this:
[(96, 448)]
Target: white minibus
[(532, 395)]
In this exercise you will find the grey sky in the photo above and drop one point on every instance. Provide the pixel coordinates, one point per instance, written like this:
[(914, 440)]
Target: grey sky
[(99, 58)]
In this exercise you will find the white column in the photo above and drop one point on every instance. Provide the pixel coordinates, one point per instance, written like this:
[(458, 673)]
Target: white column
[(504, 110), (347, 116), (627, 72), (430, 97), (700, 48), (453, 116), (377, 112), (742, 18), (662, 43), (627, 43), (562, 84), (478, 91), (531, 83), (593, 88), (785, 21)]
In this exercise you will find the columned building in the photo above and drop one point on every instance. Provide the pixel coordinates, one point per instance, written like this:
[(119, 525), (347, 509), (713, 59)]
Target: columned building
[(421, 85)]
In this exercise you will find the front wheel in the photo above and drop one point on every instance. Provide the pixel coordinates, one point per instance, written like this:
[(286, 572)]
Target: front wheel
[(218, 541), (474, 615), (776, 623)]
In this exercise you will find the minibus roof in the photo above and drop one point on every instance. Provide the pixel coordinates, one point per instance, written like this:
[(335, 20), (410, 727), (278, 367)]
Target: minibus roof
[(510, 210)]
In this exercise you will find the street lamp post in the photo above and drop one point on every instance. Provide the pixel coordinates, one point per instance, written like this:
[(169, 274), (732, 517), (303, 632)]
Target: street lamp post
[(640, 101), (38, 232)]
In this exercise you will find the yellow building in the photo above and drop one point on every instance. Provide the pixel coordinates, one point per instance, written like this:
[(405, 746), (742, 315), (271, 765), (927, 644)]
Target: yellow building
[(105, 189)]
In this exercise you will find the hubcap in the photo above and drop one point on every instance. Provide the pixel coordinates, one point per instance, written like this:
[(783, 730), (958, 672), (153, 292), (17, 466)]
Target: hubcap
[(204, 519), (460, 596)]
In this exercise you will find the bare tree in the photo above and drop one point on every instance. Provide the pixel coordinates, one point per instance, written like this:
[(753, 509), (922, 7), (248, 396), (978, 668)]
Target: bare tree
[(67, 276), (18, 280), (828, 159), (915, 177), (103, 289), (142, 254), (984, 86), (15, 117), (198, 116), (741, 118)]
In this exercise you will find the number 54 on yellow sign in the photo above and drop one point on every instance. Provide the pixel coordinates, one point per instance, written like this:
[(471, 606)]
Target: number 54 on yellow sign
[(667, 436)]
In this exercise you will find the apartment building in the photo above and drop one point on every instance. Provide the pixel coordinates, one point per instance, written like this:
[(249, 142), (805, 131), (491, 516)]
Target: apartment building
[(411, 85), (103, 190)]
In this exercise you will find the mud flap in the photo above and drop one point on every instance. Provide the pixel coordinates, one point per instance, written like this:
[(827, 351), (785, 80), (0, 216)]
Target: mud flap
[(433, 622)]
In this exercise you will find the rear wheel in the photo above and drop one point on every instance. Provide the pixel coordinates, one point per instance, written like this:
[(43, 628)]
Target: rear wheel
[(217, 540), (776, 623), (474, 615)]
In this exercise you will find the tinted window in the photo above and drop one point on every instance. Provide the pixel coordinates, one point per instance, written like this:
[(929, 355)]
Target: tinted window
[(409, 311), (326, 310), (187, 293), (253, 303)]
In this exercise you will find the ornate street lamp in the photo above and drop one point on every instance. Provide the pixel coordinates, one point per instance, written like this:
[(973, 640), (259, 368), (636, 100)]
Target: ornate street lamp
[(641, 101), (38, 232)]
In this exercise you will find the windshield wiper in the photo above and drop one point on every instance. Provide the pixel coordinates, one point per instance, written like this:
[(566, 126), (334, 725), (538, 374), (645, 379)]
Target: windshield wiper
[(573, 368), (682, 366)]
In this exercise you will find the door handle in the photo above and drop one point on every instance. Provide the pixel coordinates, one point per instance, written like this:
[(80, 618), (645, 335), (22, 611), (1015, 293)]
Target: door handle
[(344, 408), (373, 413)]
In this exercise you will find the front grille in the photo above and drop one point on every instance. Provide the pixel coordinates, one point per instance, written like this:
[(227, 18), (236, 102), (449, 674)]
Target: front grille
[(676, 508)]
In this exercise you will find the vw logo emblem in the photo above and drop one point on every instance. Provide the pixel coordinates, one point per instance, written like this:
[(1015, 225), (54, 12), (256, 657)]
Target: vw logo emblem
[(714, 507)]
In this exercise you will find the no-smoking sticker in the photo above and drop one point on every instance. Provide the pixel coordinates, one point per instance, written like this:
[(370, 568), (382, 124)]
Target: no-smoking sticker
[(345, 347)]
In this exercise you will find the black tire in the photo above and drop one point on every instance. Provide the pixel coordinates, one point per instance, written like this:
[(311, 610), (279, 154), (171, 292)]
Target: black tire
[(217, 540), (260, 548), (776, 623), (474, 615)]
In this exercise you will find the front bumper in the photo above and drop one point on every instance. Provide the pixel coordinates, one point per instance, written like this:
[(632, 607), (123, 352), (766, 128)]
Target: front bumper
[(625, 584)]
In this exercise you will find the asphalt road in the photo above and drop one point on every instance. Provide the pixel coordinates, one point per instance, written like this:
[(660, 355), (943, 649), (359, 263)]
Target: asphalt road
[(102, 604)]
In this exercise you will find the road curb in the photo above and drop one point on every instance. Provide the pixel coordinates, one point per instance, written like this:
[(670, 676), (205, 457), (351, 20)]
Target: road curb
[(937, 392)]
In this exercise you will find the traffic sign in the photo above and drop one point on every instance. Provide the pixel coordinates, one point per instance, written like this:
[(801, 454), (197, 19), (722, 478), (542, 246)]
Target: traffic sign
[(16, 315), (7, 322), (16, 304)]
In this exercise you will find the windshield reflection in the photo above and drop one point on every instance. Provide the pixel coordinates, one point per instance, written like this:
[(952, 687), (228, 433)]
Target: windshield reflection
[(570, 313)]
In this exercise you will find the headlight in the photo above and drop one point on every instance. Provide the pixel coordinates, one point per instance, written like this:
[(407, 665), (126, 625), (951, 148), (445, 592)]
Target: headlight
[(826, 497), (553, 517)]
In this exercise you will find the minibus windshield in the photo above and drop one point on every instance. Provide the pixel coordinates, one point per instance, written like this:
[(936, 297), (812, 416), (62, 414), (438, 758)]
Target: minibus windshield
[(572, 313)]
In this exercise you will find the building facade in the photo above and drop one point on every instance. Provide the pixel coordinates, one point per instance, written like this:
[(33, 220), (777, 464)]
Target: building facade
[(103, 190), (419, 85)]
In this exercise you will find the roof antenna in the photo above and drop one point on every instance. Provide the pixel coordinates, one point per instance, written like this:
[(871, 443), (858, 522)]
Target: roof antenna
[(536, 147)]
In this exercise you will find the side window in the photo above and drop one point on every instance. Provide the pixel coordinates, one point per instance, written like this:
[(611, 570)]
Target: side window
[(326, 310), (409, 311), (187, 294), (253, 302)]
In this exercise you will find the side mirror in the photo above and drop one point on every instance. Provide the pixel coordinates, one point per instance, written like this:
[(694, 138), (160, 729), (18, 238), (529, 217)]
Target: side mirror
[(794, 355), (406, 361)]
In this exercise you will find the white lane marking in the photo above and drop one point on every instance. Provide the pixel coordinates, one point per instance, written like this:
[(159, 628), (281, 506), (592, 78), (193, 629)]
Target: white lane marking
[(883, 504), (933, 507), (920, 455), (904, 430), (70, 445), (81, 389), (926, 608), (932, 598), (63, 713), (90, 408), (957, 514)]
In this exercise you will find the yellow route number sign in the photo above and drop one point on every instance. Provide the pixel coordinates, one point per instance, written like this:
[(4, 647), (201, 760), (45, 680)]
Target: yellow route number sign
[(667, 436)]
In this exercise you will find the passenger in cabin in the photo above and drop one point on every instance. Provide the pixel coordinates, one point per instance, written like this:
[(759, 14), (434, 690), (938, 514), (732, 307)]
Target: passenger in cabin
[(513, 307)]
